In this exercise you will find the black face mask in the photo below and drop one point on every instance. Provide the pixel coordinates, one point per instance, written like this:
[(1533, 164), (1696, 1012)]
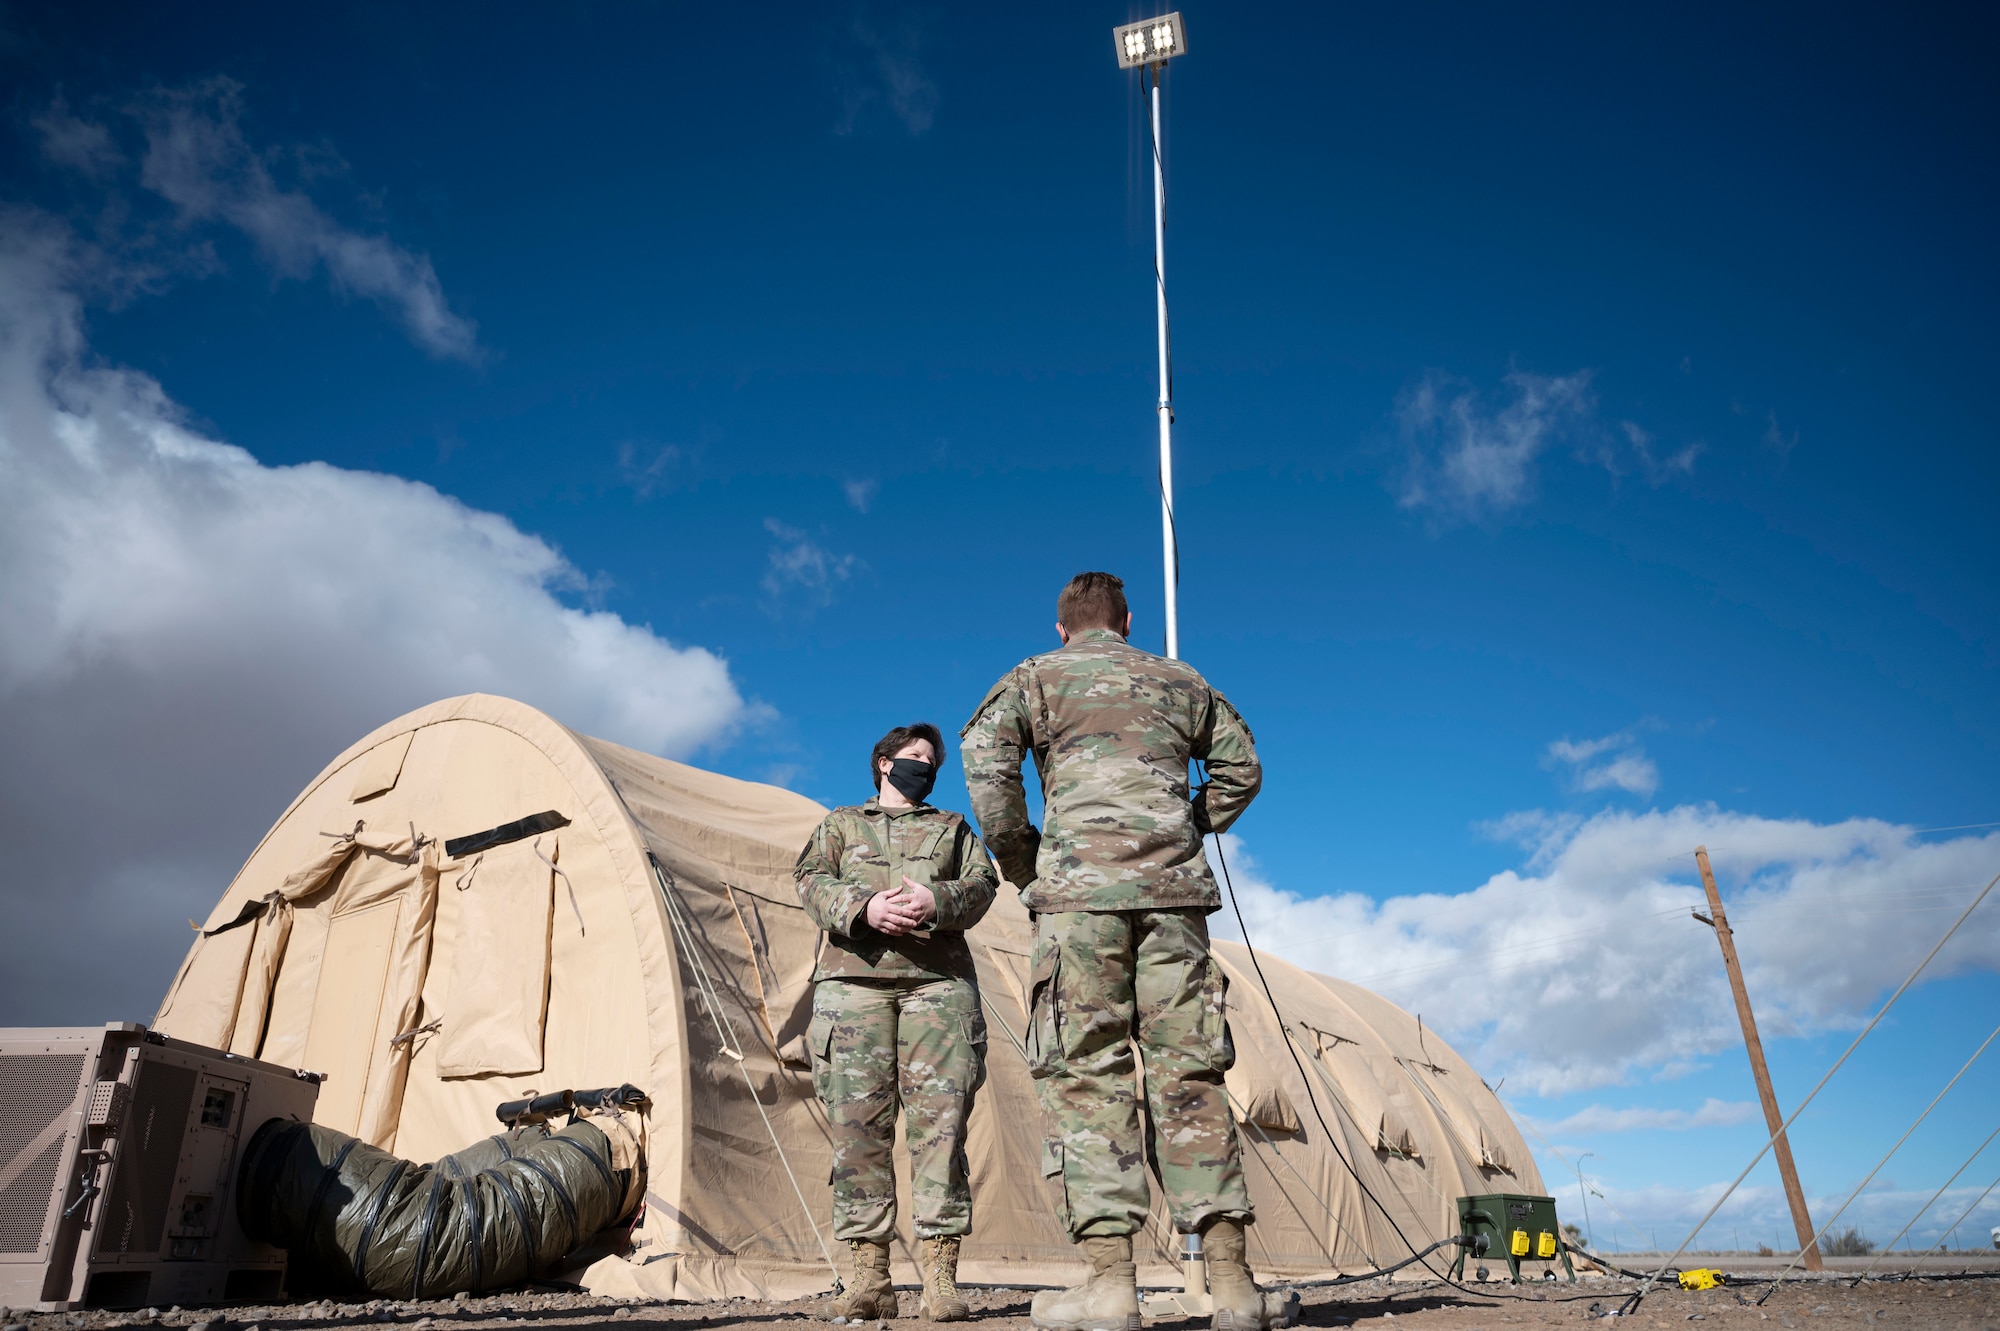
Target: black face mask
[(912, 777)]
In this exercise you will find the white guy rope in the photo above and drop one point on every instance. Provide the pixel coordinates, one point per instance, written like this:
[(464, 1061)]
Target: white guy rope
[(1892, 1150), (725, 1032), (1956, 1223), (1874, 1021), (1890, 1245)]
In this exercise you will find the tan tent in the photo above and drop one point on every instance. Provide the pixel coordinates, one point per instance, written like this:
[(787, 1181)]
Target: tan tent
[(625, 918)]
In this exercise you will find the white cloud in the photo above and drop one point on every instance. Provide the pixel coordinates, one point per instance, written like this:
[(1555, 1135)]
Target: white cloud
[(81, 145), (1637, 1218), (1640, 1118), (894, 78), (1777, 439), (1623, 766), (860, 494), (649, 469), (800, 568), (186, 635), (198, 159), (1656, 469), (1607, 975), (1468, 461)]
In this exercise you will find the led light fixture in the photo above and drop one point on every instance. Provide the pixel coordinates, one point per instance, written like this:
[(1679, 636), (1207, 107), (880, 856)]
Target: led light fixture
[(1153, 42)]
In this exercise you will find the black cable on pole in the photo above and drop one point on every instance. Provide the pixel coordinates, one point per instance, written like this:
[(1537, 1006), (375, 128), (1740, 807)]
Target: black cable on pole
[(1304, 1077), (1312, 1099), (1159, 277), (1160, 287)]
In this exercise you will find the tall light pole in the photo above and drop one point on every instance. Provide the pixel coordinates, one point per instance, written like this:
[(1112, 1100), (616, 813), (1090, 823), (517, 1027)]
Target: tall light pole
[(1148, 46)]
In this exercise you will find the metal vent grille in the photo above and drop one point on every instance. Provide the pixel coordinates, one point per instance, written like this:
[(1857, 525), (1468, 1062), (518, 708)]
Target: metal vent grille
[(36, 1092), (135, 1212), (107, 1103)]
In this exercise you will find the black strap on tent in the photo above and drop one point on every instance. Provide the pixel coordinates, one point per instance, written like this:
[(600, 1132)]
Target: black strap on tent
[(252, 910), (519, 830)]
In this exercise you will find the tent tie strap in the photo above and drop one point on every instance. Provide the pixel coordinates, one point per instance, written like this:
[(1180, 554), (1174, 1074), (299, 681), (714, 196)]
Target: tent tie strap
[(557, 869)]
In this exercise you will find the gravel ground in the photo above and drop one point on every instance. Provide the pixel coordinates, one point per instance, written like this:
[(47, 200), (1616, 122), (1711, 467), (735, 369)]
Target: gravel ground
[(1825, 1303)]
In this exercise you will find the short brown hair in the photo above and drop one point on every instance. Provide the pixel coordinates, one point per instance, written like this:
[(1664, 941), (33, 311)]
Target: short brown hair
[(886, 746), (1092, 601)]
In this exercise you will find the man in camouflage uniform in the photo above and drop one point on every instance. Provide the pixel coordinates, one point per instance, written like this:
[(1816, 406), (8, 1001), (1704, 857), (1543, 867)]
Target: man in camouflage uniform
[(896, 1018), (1121, 893)]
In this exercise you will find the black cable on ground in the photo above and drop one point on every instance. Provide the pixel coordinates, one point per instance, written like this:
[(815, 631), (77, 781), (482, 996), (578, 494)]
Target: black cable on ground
[(1331, 1140), (1613, 1266), (1304, 1076), (1379, 1271)]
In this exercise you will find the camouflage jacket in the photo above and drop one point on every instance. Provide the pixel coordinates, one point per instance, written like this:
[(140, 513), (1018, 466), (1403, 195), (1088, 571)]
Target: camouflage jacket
[(1112, 730), (860, 850)]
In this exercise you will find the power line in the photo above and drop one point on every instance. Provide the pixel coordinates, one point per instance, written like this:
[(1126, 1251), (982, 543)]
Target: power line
[(1956, 1223), (1644, 1289), (1885, 1159), (1928, 1204)]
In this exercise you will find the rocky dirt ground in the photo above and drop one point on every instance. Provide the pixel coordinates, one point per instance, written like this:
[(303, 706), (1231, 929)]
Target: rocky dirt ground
[(1972, 1304)]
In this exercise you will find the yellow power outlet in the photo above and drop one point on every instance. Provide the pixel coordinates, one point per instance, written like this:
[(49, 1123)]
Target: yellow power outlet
[(1518, 1244), (1545, 1244)]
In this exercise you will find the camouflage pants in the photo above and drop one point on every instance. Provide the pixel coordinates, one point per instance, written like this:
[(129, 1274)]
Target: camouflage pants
[(917, 1044), (1103, 981)]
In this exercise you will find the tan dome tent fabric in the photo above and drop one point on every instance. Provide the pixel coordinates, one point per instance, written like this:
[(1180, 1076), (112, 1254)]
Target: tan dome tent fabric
[(474, 903)]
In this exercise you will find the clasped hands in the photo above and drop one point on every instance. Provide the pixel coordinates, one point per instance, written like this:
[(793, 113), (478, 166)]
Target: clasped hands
[(903, 909)]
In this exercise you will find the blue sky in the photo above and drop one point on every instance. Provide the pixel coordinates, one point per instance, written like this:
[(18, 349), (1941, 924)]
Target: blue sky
[(1585, 448)]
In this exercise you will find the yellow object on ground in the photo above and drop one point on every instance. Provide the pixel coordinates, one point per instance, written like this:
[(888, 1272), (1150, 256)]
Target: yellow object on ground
[(1706, 1278)]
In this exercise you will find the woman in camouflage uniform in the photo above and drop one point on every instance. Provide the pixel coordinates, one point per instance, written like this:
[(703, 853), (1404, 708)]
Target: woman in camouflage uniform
[(896, 1019)]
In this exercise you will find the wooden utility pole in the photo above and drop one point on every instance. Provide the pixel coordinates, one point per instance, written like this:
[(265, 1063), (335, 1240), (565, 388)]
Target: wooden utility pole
[(1781, 1147)]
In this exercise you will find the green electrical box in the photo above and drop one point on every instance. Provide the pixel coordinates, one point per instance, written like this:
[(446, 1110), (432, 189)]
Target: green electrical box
[(1512, 1227)]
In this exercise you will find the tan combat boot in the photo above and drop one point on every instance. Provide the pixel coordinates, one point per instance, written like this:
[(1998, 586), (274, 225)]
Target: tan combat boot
[(941, 1300), (1107, 1301), (1239, 1304), (869, 1295)]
